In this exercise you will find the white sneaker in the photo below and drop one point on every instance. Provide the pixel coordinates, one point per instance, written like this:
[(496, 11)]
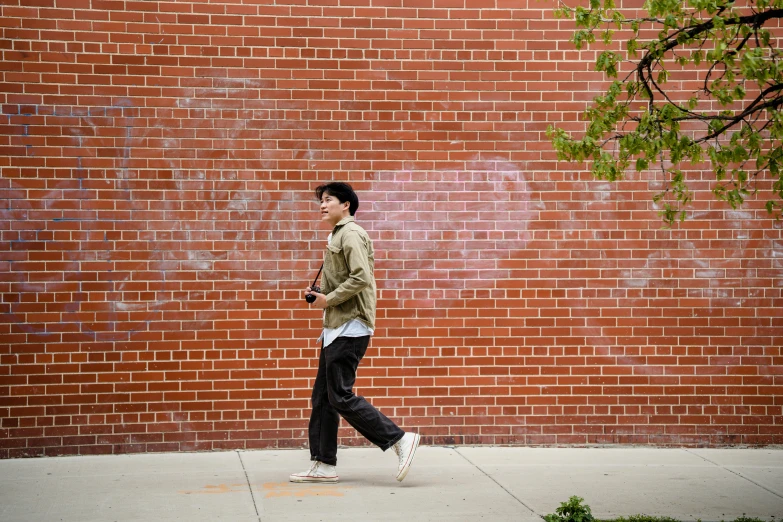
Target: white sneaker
[(318, 472), (405, 448)]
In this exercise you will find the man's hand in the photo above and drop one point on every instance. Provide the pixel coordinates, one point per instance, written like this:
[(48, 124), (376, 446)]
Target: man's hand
[(320, 299)]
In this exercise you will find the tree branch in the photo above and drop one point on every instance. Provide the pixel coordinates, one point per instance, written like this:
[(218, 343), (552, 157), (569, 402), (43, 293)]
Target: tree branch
[(754, 107), (755, 20)]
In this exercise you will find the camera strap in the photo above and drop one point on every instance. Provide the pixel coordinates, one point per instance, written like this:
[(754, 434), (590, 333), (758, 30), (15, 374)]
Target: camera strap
[(316, 275)]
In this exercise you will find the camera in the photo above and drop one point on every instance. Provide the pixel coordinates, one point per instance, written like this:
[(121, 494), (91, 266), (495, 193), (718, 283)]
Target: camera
[(310, 298)]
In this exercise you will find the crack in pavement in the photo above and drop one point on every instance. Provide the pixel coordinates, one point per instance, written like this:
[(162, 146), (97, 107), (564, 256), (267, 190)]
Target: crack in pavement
[(249, 486), (740, 475), (490, 477)]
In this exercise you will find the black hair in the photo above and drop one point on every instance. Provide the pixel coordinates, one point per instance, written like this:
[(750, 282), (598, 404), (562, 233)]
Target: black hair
[(342, 191)]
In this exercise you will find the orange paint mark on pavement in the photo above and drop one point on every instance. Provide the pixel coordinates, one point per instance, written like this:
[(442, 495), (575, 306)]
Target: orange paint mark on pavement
[(287, 489), (273, 489), (210, 489)]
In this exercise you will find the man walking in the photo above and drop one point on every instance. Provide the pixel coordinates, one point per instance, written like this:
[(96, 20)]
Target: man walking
[(348, 301)]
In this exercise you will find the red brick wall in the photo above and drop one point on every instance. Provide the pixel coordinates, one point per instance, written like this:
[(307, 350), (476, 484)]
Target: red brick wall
[(158, 229)]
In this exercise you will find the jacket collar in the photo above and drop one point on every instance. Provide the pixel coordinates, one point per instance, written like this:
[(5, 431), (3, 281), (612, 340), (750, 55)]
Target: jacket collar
[(343, 221)]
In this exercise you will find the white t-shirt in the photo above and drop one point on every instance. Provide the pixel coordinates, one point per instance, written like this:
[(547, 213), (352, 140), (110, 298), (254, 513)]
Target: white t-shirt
[(353, 328)]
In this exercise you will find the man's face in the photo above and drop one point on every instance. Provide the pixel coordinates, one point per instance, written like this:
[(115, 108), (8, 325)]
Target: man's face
[(332, 211)]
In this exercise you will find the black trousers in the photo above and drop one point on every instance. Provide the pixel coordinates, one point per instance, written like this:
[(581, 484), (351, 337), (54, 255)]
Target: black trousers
[(333, 397)]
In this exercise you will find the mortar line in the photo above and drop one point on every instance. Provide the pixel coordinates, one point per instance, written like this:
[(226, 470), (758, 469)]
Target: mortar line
[(765, 488), (498, 483), (247, 478)]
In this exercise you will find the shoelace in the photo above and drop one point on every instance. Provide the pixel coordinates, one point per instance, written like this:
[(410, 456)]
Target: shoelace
[(398, 450)]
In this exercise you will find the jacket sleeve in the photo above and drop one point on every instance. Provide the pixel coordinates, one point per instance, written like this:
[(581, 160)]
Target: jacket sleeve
[(359, 275)]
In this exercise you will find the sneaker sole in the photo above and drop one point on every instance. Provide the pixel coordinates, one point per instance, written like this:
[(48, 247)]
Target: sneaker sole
[(401, 475), (325, 480)]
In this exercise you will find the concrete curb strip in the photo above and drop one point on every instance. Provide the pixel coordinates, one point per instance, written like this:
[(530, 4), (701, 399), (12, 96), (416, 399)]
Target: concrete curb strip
[(446, 483)]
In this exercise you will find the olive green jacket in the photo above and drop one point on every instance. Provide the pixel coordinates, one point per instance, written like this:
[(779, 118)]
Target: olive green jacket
[(348, 278)]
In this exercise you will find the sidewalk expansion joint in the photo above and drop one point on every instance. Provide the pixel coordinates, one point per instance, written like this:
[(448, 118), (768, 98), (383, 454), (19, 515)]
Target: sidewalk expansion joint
[(490, 477), (740, 475), (249, 486)]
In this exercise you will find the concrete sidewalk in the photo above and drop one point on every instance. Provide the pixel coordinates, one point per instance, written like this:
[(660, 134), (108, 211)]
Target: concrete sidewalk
[(445, 483)]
